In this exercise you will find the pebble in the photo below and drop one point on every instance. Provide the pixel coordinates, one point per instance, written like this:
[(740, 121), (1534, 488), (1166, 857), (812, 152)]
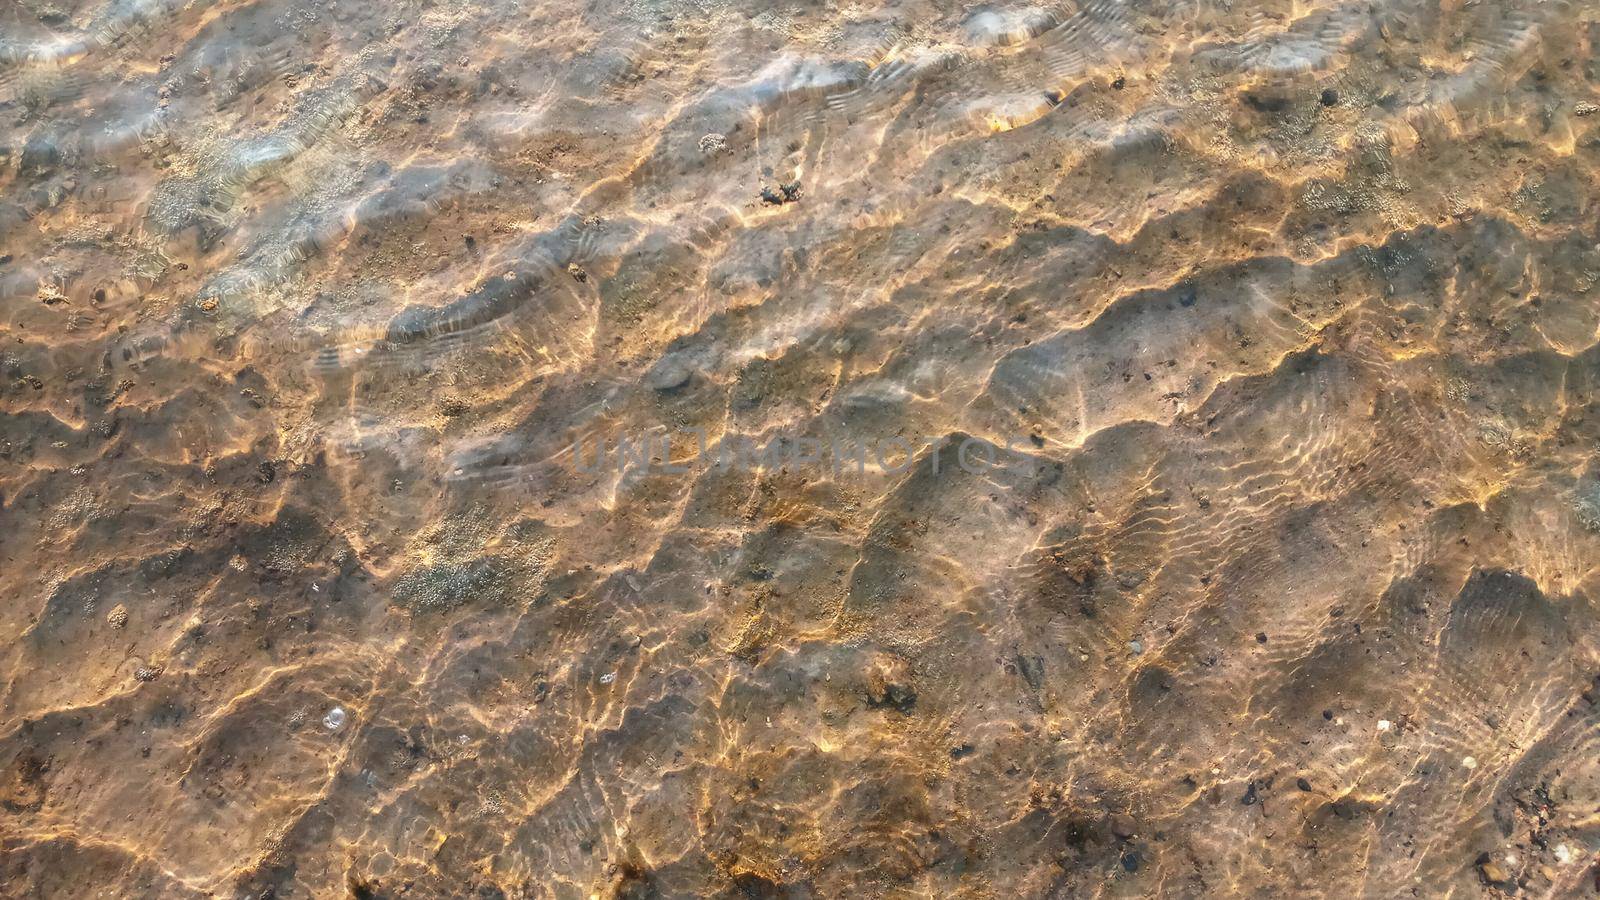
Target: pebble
[(1492, 872), (670, 374), (39, 156), (1470, 762), (1123, 826), (118, 616), (785, 193), (334, 720), (1384, 724), (608, 677)]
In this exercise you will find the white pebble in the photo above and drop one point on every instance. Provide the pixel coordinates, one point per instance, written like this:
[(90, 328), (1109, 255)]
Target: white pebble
[(1136, 647), (1563, 854), (1384, 724), (608, 677), (1470, 762)]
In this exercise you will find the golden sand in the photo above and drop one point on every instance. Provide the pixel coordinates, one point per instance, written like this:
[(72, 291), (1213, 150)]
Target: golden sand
[(1283, 316)]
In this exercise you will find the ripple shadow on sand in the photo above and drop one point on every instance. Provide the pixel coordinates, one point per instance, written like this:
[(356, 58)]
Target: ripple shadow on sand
[(669, 448)]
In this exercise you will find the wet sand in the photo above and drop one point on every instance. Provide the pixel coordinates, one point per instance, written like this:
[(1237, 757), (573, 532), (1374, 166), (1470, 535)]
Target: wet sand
[(1290, 311)]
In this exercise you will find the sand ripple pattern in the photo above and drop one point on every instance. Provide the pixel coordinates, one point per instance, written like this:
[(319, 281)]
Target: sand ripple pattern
[(1289, 308)]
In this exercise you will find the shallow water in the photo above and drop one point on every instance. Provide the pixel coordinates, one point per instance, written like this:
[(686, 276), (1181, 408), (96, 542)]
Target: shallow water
[(662, 448)]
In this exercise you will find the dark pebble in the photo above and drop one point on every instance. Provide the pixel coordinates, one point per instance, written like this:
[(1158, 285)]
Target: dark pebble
[(1302, 784), (1330, 97), (1130, 861), (785, 193), (39, 155), (1261, 637)]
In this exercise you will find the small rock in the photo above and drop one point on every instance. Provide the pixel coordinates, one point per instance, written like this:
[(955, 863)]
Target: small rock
[(888, 686), (1032, 670), (1123, 826), (1330, 97), (713, 143), (118, 616), (669, 374), (39, 155), (1492, 871), (784, 193), (1586, 109), (1302, 784)]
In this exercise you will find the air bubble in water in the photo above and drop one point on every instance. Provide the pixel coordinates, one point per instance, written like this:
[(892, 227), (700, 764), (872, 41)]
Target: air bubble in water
[(334, 720)]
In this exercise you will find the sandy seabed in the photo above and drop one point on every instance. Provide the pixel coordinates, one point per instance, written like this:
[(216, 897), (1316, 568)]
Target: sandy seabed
[(1283, 315)]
